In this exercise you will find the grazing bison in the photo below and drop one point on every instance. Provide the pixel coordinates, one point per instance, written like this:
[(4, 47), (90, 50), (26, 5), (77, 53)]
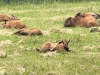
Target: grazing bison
[(29, 32), (81, 22), (84, 15), (60, 46), (6, 17), (14, 24)]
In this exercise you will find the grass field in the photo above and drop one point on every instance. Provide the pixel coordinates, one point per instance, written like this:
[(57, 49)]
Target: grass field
[(19, 56)]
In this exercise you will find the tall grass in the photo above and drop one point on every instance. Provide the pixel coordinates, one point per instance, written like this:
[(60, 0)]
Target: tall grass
[(39, 1)]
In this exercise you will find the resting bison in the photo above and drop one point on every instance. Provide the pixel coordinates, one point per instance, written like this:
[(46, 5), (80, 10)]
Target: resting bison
[(6, 17), (29, 32), (60, 46), (84, 15), (81, 22), (47, 46), (14, 24)]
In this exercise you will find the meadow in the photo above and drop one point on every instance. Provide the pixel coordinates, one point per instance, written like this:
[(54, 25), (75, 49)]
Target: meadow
[(18, 55)]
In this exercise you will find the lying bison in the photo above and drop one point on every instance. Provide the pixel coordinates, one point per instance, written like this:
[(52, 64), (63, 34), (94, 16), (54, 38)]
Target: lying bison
[(14, 24), (60, 46), (29, 32), (81, 22), (6, 17)]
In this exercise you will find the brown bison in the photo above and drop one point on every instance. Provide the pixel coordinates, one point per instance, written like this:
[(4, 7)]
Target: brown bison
[(81, 22), (60, 46), (14, 24), (47, 46), (29, 32), (84, 15), (6, 17)]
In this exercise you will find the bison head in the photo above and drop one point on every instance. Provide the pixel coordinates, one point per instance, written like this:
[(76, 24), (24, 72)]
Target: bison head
[(65, 44), (69, 22)]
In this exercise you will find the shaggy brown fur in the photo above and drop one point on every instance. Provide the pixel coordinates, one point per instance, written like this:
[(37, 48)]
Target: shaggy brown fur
[(61, 46), (46, 47), (14, 24), (6, 17), (82, 22), (86, 15), (29, 32)]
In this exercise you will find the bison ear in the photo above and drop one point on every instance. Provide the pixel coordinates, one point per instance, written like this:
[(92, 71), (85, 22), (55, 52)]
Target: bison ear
[(70, 18), (78, 14), (68, 41), (60, 41), (12, 15)]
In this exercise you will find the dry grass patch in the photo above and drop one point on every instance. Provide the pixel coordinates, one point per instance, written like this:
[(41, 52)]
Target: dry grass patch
[(6, 43), (57, 29), (21, 70), (3, 71), (49, 54), (88, 48), (2, 54), (5, 32)]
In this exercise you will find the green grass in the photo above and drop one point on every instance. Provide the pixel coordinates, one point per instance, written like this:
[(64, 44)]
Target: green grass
[(84, 58)]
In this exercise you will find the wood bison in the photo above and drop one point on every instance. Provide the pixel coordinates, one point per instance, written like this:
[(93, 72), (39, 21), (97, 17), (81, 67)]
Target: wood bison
[(29, 32), (84, 15), (81, 22), (60, 46), (14, 24), (6, 17)]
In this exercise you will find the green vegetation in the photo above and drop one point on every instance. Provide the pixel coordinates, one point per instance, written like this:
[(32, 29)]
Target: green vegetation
[(20, 55)]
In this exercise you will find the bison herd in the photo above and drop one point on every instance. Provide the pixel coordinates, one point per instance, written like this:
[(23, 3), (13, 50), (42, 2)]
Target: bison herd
[(87, 20)]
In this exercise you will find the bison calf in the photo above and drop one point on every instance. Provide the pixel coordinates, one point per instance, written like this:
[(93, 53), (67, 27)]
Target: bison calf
[(60, 46), (81, 22), (6, 17), (46, 47), (29, 32), (14, 24)]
